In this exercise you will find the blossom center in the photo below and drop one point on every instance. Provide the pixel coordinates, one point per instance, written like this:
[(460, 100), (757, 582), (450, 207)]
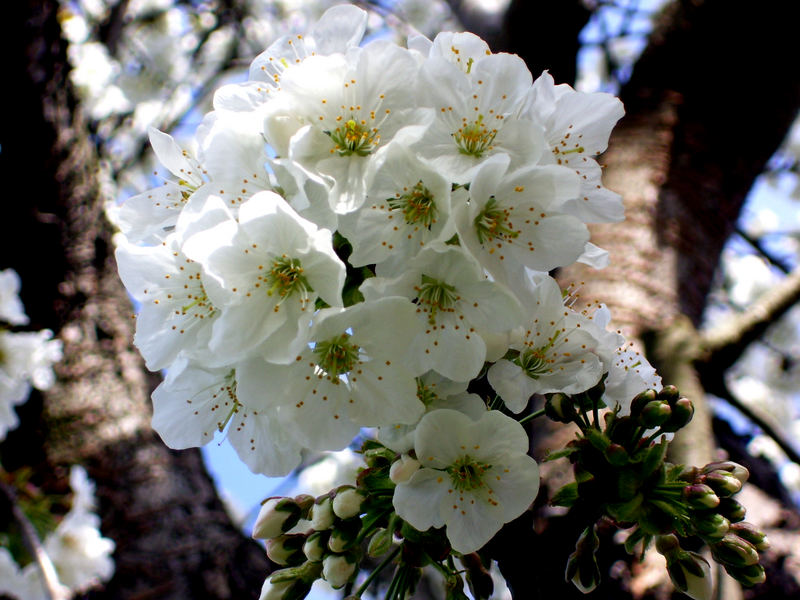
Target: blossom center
[(199, 299), (467, 473), (286, 278), (534, 362), (229, 389), (474, 138), (425, 394), (417, 205), (493, 222), (337, 355), (353, 136), (436, 295)]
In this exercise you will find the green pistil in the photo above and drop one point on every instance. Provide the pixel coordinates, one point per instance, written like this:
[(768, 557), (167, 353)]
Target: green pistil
[(491, 223), (417, 206), (353, 138), (534, 361), (436, 295), (200, 300), (425, 394), (286, 277), (467, 473), (230, 389), (336, 356), (474, 139)]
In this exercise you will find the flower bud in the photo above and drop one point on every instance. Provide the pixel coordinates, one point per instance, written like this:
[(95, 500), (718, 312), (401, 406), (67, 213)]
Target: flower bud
[(276, 591), (699, 496), (750, 533), (728, 466), (322, 515), (380, 542), (560, 408), (616, 455), (655, 414), (724, 484), (712, 526), (337, 570), (316, 545), (347, 502), (731, 510), (641, 400), (669, 394), (734, 551), (342, 538), (277, 516), (402, 469), (748, 576), (284, 550), (682, 413)]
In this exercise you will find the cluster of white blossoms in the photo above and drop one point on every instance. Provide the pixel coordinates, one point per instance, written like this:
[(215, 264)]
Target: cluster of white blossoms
[(78, 551), (360, 231), (26, 357)]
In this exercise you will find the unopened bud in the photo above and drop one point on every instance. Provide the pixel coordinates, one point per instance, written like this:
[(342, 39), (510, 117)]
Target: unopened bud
[(380, 543), (322, 515), (731, 510), (700, 496), (655, 414), (682, 413), (316, 545), (560, 408), (669, 394), (734, 551), (712, 526), (347, 502), (282, 590), (641, 400), (750, 533), (285, 550), (748, 576), (724, 484), (728, 466), (277, 516), (403, 468), (616, 455), (337, 570), (344, 536)]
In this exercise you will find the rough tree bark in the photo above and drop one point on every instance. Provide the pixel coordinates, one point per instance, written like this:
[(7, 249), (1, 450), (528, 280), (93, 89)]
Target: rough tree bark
[(174, 539)]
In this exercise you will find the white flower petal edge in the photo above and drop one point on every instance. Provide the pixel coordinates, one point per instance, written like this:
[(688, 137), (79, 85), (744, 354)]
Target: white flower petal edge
[(475, 477)]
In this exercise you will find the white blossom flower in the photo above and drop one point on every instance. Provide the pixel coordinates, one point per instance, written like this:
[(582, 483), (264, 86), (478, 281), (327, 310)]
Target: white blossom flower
[(195, 402), (629, 374), (475, 477), (176, 313), (26, 360), (350, 374), (333, 112), (11, 309), (455, 302), (577, 127), (556, 351), (477, 98), (407, 208), (514, 220)]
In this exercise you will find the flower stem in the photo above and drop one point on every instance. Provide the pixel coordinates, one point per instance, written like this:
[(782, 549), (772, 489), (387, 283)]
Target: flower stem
[(363, 587), (531, 416)]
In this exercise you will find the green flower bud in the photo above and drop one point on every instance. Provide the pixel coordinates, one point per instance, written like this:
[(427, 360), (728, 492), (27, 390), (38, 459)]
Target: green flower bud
[(338, 569), (641, 400), (655, 414), (347, 502), (699, 496), (669, 394), (711, 526), (734, 551), (731, 510), (285, 550), (380, 542), (277, 516), (340, 540), (728, 466), (316, 545), (750, 533), (748, 576), (691, 574), (322, 515), (682, 413), (616, 455), (724, 484), (560, 408)]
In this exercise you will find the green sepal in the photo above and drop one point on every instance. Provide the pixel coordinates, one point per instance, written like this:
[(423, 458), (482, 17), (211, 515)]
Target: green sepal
[(626, 512), (653, 458), (597, 438), (567, 451), (567, 496)]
